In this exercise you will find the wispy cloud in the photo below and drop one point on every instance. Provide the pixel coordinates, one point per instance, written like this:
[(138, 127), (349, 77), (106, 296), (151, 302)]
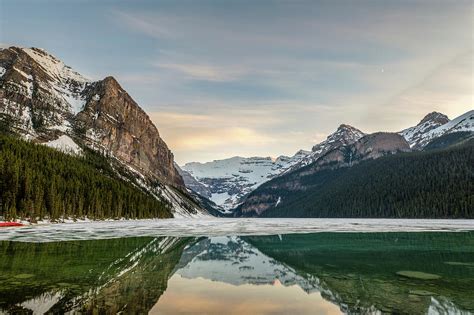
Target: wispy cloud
[(143, 24), (203, 72)]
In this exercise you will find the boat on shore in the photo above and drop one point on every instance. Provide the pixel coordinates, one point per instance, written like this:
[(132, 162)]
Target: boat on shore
[(10, 224)]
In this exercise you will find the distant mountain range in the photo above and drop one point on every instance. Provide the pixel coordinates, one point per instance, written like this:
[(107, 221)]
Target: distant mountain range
[(229, 182)]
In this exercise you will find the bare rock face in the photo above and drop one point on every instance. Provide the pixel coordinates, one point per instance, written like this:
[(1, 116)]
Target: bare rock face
[(379, 144), (113, 122)]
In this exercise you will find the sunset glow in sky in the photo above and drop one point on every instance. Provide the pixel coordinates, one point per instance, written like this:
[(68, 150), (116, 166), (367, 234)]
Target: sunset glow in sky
[(262, 78)]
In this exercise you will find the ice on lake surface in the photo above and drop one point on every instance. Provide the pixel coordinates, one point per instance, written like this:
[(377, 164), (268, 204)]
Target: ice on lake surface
[(221, 227)]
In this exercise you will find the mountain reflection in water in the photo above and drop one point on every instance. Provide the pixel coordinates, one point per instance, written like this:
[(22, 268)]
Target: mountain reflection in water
[(323, 273)]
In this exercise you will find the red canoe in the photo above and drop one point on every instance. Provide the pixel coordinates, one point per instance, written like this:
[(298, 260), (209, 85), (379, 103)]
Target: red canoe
[(4, 224)]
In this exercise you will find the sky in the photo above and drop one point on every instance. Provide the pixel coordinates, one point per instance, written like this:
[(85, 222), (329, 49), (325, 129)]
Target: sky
[(227, 78)]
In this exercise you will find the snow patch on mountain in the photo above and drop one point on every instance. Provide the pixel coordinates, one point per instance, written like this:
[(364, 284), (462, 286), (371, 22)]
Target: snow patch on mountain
[(57, 70), (23, 115), (66, 83), (65, 144), (27, 83)]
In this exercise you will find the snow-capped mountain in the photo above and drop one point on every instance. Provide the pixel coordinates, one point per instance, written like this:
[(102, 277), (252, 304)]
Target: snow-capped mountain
[(416, 135), (465, 122), (40, 91), (343, 136), (46, 101), (228, 181), (435, 125), (231, 180)]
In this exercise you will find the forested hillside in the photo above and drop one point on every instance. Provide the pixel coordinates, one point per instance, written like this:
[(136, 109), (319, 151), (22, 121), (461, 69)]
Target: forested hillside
[(37, 182), (432, 184)]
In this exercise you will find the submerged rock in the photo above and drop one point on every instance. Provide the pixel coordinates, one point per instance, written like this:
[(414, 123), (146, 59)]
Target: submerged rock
[(422, 292), (418, 275), (24, 276)]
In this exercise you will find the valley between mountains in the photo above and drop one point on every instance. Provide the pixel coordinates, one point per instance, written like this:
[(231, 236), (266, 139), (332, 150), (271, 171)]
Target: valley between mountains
[(75, 148)]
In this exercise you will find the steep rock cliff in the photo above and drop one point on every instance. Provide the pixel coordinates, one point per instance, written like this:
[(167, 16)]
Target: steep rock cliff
[(112, 121)]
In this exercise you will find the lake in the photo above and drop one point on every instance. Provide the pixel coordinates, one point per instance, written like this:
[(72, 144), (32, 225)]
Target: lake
[(239, 266)]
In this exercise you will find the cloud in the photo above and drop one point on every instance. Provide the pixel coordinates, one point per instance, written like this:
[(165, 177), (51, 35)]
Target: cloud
[(143, 24), (203, 72)]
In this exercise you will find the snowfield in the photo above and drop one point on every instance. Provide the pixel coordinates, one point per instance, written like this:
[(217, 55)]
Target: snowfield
[(65, 144), (222, 227)]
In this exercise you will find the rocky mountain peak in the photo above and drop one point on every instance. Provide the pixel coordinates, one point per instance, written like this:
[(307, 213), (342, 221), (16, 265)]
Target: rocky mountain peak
[(41, 54), (418, 136), (344, 135), (111, 82), (345, 127), (348, 132), (435, 117), (379, 144)]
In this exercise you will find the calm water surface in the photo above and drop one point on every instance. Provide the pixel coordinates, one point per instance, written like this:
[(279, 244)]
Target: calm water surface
[(319, 273)]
